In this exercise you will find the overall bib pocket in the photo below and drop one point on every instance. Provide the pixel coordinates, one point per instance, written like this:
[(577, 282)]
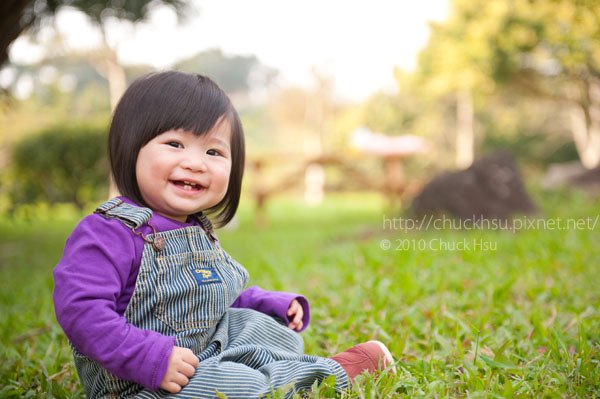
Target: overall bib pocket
[(191, 292)]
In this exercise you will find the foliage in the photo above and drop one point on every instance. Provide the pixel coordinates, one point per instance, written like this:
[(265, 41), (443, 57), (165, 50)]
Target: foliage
[(555, 39), (486, 43), (64, 163), (532, 130), (519, 321), (20, 15), (545, 49), (305, 117), (99, 10), (233, 73), (390, 114), (531, 149), (13, 20), (62, 88), (527, 128)]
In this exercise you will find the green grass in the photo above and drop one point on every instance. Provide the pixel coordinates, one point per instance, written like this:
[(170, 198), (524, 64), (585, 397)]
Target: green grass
[(519, 320)]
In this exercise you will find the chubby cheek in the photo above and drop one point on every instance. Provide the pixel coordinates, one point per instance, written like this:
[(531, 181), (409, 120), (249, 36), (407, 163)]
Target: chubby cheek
[(148, 174), (151, 164), (226, 173), (223, 178), (144, 185)]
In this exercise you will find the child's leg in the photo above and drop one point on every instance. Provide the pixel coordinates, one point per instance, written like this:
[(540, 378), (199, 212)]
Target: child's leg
[(252, 372), (259, 356)]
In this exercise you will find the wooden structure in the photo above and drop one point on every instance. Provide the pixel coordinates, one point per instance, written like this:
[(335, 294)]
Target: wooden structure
[(387, 152), (390, 181)]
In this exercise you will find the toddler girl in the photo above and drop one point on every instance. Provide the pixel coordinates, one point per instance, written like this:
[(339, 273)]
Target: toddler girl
[(151, 303)]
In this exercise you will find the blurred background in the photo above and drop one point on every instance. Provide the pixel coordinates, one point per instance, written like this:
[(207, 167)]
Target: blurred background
[(334, 96)]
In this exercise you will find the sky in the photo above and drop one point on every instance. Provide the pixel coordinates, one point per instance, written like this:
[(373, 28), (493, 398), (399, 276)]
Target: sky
[(356, 42)]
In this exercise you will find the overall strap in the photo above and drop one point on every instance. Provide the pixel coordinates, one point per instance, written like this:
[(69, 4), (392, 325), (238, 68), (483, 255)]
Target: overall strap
[(133, 216), (207, 226)]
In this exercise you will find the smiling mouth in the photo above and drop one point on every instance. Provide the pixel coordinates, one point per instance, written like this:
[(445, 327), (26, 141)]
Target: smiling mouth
[(187, 185)]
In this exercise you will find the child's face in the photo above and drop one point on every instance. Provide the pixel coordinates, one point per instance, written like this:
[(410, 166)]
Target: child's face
[(180, 173)]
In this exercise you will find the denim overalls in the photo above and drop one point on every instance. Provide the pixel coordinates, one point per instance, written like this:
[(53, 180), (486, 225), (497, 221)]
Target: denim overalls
[(185, 287)]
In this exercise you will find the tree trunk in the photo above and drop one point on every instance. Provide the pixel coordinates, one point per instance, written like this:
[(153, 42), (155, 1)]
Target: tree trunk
[(465, 135), (117, 82), (109, 67), (585, 125), (12, 23)]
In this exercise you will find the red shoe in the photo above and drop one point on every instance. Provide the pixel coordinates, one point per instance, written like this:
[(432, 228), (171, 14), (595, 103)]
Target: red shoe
[(369, 356)]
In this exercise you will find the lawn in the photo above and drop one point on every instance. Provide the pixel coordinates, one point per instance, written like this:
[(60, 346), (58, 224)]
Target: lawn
[(467, 313)]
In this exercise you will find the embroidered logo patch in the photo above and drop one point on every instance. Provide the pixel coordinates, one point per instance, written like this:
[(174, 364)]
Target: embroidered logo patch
[(206, 276)]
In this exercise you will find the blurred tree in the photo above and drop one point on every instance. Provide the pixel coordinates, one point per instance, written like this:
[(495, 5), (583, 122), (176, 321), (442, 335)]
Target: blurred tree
[(548, 48), (20, 15), (533, 131), (13, 20), (457, 61), (306, 114), (34, 13), (233, 73), (64, 163), (388, 113), (401, 112), (412, 110), (551, 49)]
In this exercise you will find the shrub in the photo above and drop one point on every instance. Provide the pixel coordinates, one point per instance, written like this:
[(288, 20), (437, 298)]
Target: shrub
[(60, 164)]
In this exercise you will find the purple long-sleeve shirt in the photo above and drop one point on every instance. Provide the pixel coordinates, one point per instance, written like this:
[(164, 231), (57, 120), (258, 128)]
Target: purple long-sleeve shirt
[(93, 284)]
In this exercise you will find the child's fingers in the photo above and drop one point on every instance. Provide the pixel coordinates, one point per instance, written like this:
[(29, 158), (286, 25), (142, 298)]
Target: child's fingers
[(296, 326), (180, 379), (187, 369), (171, 387), (191, 360), (189, 357), (295, 312), (294, 307), (298, 318), (296, 323)]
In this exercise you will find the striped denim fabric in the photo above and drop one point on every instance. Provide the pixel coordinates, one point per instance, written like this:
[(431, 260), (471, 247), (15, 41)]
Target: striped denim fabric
[(186, 290)]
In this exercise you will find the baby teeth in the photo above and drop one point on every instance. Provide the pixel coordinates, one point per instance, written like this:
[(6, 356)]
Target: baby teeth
[(188, 185)]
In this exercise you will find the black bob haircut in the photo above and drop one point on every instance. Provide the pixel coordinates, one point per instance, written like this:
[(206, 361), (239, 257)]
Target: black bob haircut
[(173, 100)]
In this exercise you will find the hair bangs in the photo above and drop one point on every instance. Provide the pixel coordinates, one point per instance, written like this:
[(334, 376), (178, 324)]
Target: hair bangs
[(196, 104)]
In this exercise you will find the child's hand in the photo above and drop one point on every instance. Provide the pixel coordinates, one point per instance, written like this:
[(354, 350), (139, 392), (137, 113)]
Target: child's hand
[(295, 313), (182, 366)]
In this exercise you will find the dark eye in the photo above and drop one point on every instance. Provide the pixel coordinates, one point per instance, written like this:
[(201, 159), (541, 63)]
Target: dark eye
[(175, 144), (214, 152)]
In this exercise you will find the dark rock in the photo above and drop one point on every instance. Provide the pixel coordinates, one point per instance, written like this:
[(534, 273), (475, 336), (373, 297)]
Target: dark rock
[(491, 188)]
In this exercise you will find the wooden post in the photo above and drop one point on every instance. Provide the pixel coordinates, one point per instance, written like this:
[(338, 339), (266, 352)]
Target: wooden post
[(394, 179), (259, 192)]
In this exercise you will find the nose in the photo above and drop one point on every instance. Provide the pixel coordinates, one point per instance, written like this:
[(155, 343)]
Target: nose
[(194, 162)]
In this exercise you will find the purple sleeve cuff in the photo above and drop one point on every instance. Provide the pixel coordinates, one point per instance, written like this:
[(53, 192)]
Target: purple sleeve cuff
[(272, 303), (162, 363)]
